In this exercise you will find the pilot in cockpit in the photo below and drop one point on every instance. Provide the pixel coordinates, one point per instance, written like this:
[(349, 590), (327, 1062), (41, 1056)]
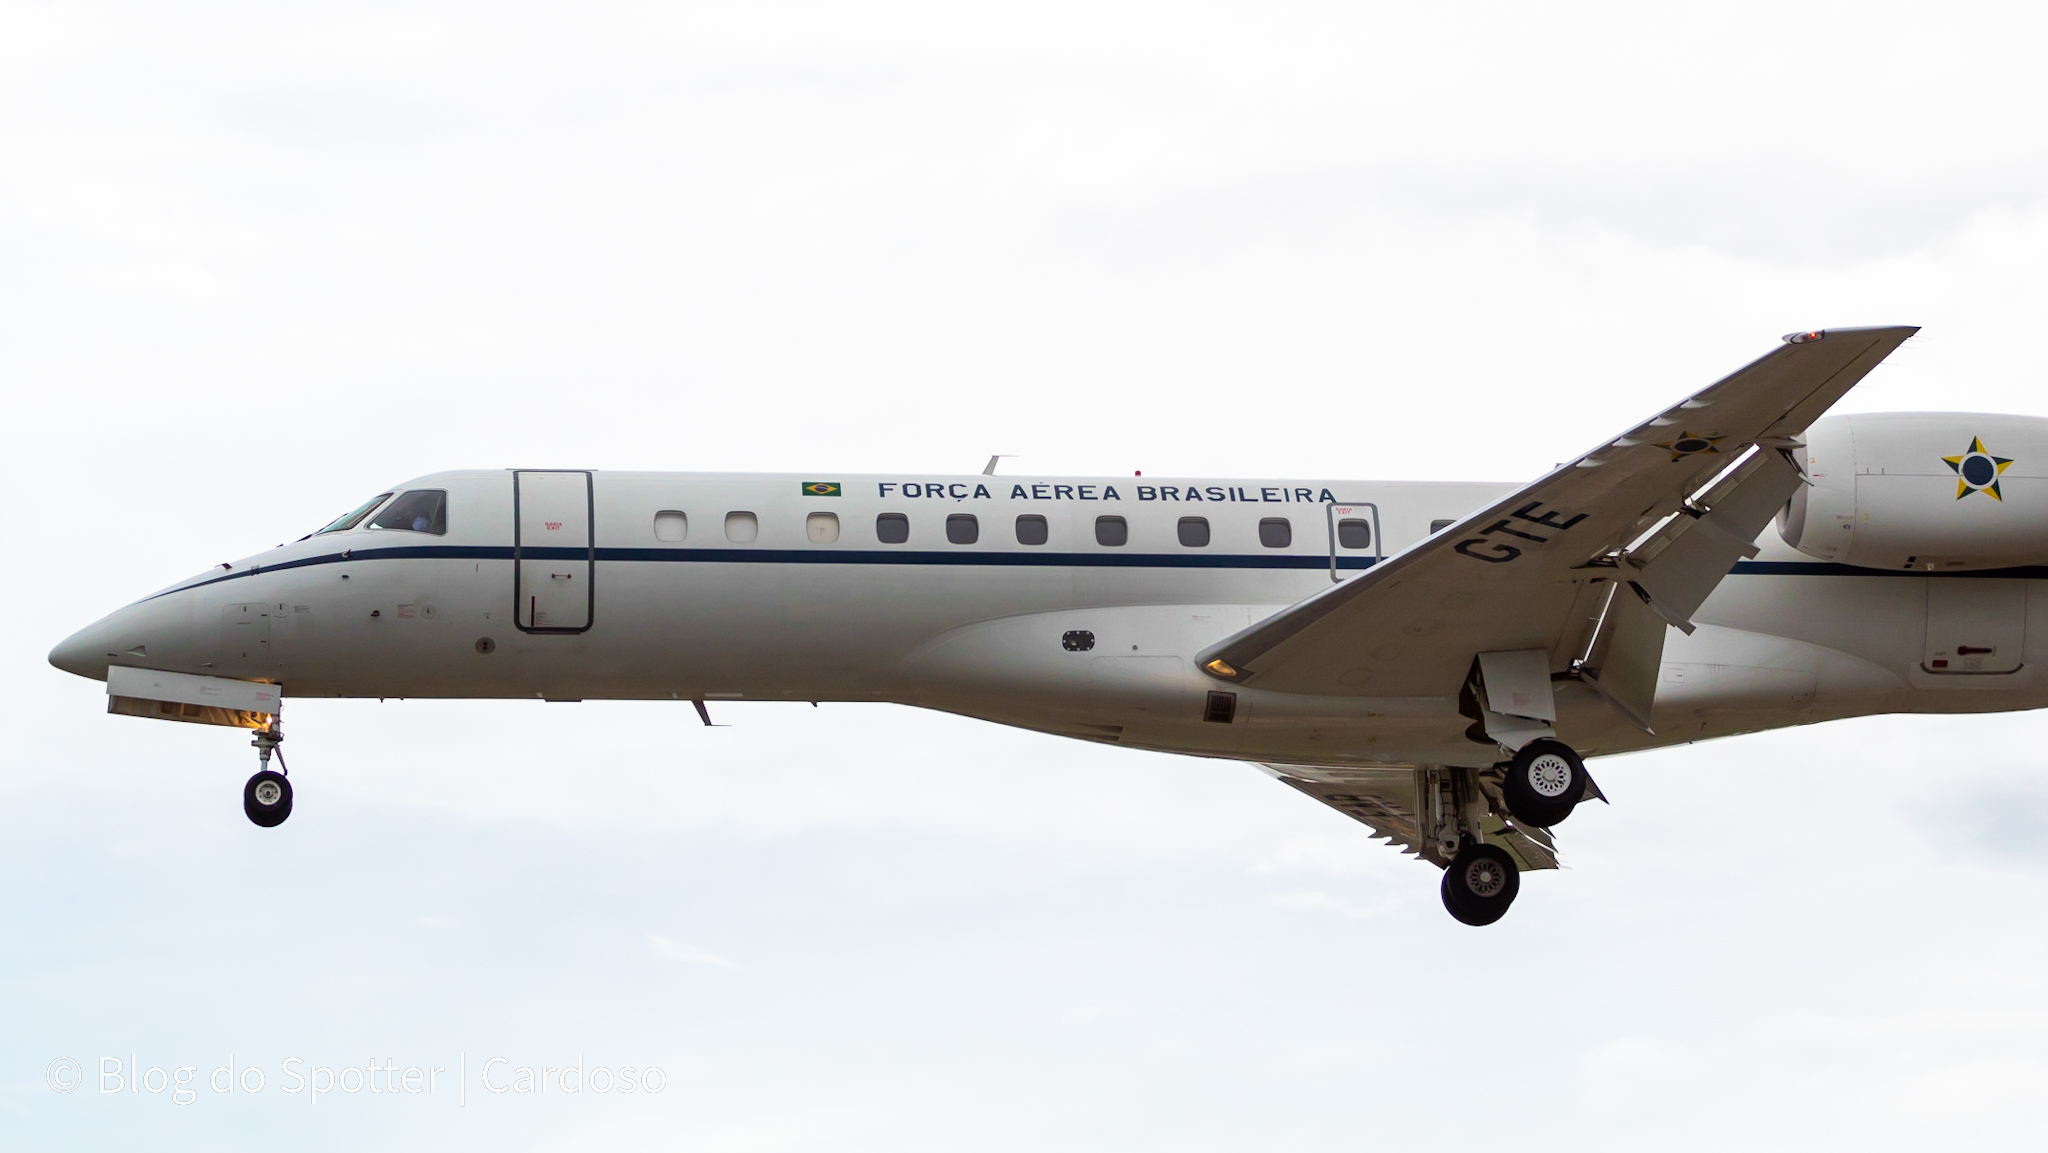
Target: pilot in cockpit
[(421, 510)]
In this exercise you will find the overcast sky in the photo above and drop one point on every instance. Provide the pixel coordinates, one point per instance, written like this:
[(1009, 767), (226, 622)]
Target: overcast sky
[(258, 262)]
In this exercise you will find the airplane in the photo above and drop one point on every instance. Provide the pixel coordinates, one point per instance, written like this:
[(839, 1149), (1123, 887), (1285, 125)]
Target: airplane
[(1433, 659)]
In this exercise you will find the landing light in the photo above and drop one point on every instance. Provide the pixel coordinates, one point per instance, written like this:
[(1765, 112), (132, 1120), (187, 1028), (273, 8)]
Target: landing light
[(1804, 337), (1220, 668)]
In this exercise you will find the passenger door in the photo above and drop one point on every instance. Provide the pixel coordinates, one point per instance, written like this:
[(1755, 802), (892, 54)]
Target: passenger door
[(553, 551), (1354, 535)]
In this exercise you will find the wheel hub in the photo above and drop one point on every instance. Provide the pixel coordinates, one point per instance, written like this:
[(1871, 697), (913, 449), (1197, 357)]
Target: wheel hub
[(1550, 775), (268, 793), (1485, 878)]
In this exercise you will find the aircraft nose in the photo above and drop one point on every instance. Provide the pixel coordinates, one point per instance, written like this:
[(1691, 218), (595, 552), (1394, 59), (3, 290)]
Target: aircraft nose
[(85, 652)]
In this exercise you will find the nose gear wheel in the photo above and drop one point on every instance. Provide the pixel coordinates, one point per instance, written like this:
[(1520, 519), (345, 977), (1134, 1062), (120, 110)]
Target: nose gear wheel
[(267, 797)]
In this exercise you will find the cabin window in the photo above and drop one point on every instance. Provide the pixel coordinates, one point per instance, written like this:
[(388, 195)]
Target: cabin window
[(892, 528), (962, 528), (742, 527), (421, 510), (1276, 532), (1031, 529), (1354, 533), (1112, 531), (350, 520), (1440, 525), (822, 527), (671, 526), (1194, 531)]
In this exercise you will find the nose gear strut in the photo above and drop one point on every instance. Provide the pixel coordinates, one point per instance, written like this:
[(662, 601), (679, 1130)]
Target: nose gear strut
[(267, 798)]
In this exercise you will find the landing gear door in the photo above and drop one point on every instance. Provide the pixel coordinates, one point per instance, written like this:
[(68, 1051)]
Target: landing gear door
[(553, 551)]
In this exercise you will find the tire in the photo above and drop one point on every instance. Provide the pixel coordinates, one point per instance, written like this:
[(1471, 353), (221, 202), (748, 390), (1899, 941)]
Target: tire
[(1480, 884), (267, 799), (1543, 783)]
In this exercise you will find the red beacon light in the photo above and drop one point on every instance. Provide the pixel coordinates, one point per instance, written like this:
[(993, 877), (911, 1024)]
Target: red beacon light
[(1804, 337)]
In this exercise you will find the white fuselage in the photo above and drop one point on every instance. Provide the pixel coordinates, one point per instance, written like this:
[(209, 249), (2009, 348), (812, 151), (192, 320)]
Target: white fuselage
[(692, 586)]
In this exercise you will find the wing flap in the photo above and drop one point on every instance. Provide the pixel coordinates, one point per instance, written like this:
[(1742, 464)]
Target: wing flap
[(1679, 571), (1388, 800)]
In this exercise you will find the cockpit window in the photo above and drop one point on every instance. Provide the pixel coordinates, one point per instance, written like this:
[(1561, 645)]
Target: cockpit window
[(351, 520), (421, 510)]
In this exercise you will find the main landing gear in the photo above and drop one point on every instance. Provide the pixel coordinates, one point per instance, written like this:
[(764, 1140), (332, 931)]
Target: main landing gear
[(1472, 824), (267, 798), (1543, 783), (1480, 884)]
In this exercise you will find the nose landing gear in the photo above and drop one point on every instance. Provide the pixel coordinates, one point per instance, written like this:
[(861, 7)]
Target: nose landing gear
[(267, 798)]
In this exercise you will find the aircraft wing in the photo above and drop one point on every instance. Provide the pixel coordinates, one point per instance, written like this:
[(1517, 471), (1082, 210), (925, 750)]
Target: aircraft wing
[(1531, 572), (1388, 801)]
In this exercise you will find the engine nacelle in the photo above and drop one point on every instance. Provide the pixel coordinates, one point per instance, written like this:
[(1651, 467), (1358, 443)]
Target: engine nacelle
[(1923, 491)]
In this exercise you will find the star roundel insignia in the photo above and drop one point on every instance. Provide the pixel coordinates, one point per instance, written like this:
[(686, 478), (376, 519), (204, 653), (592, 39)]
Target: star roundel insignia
[(1691, 444), (1977, 471)]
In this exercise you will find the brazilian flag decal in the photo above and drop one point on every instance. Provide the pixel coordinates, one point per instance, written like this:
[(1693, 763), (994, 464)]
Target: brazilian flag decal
[(821, 488)]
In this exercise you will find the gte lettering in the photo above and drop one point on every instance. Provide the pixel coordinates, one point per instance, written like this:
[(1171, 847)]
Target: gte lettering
[(1500, 553), (1524, 522), (1547, 520)]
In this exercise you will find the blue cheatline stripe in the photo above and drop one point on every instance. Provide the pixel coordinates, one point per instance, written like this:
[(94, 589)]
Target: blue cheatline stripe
[(418, 552), (1005, 559), (1830, 568), (997, 559), (805, 556)]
